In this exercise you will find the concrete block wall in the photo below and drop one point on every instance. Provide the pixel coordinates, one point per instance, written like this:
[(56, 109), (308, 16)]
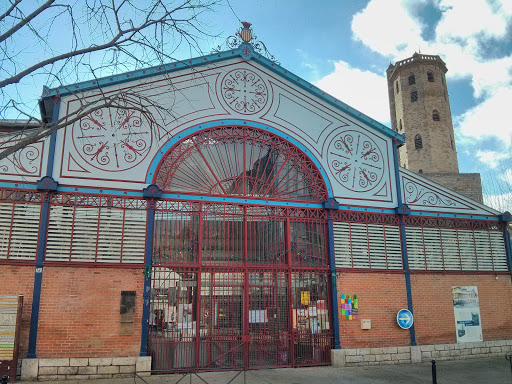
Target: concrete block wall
[(83, 368), (418, 354)]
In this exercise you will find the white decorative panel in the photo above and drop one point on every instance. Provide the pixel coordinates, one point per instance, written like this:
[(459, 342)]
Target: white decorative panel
[(101, 235), (425, 195), (455, 250), (19, 227), (374, 246)]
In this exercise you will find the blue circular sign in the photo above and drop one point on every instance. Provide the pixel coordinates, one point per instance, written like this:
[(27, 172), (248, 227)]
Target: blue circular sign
[(405, 319)]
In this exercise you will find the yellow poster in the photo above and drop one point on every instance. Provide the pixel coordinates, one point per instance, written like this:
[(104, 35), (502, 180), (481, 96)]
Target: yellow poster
[(304, 297)]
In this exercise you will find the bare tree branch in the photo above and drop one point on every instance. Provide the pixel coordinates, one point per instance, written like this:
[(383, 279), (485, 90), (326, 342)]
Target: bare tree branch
[(105, 37)]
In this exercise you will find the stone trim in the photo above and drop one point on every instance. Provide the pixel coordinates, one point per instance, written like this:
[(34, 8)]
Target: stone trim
[(417, 354), (83, 368)]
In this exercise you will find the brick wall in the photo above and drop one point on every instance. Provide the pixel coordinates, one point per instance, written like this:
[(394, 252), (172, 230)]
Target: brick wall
[(433, 306), (79, 312), (467, 184), (19, 280), (380, 296)]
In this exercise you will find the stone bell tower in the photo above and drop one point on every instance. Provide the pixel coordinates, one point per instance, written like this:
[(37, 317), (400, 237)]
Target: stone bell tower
[(420, 108)]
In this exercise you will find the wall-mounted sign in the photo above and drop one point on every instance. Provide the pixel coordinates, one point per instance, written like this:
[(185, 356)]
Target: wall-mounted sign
[(405, 319), (349, 307), (466, 309)]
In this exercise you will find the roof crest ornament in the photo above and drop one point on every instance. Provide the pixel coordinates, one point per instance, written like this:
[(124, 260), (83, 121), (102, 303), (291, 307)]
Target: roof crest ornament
[(245, 35)]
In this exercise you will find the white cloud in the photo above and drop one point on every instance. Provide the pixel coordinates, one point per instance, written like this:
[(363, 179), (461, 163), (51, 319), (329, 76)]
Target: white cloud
[(390, 28), (492, 117), (491, 158), (387, 28), (362, 90)]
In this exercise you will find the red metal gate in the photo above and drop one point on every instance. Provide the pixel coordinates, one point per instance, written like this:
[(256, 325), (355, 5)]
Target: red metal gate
[(237, 286)]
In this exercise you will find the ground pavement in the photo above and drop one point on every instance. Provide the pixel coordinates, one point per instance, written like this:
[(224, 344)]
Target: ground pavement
[(475, 371)]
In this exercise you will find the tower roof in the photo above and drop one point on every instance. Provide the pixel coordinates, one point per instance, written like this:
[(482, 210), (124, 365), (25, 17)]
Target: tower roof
[(413, 60)]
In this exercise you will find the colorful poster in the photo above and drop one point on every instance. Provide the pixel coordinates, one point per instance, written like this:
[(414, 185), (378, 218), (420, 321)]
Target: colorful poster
[(304, 297), (349, 307), (466, 308)]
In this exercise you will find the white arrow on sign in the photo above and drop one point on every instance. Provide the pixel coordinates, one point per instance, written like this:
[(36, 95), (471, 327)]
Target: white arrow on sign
[(406, 318)]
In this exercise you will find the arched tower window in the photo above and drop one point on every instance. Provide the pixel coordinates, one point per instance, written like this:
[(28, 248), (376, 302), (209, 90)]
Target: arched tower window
[(414, 96), (420, 171), (397, 88), (240, 161), (400, 126), (430, 77), (418, 143), (435, 115), (412, 79)]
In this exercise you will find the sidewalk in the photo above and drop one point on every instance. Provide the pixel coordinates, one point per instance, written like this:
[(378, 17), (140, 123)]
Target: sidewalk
[(475, 371)]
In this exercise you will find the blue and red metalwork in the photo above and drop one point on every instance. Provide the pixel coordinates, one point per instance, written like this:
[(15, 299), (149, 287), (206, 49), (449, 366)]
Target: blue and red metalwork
[(48, 188), (403, 212), (240, 161), (233, 286)]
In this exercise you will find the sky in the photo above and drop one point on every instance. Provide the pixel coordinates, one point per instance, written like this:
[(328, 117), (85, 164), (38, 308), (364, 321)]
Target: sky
[(345, 46)]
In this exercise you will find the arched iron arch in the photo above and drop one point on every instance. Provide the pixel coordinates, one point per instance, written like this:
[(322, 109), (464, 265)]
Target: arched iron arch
[(240, 161)]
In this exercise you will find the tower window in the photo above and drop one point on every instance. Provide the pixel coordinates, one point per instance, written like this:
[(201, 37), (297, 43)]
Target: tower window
[(451, 142), (414, 96), (442, 79), (430, 77), (418, 143), (397, 88), (412, 79), (400, 128), (420, 171), (435, 116)]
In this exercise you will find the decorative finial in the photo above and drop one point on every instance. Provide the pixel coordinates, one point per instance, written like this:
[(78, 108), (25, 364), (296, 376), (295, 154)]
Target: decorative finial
[(246, 32), (245, 35)]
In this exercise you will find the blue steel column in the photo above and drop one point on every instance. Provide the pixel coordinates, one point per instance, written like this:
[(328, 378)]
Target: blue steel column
[(402, 210), (505, 219), (333, 204), (48, 185), (152, 193), (45, 184)]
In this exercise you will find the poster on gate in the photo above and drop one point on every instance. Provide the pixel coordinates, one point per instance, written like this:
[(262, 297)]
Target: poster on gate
[(466, 307)]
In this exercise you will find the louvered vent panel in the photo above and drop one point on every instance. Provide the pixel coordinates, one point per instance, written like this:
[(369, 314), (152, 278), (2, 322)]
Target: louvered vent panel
[(393, 248), (110, 235), (85, 233), (433, 251), (415, 250), (467, 250), (58, 244), (450, 249), (134, 239), (24, 233), (483, 251), (342, 251), (359, 245), (377, 246), (499, 254), (6, 211)]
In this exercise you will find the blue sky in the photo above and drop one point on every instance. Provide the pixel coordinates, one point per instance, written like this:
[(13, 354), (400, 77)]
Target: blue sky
[(345, 46)]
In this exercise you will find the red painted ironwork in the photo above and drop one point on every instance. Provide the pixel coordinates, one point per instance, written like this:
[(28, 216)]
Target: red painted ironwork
[(90, 200), (248, 291), (364, 217), (240, 161), (11, 194), (441, 222)]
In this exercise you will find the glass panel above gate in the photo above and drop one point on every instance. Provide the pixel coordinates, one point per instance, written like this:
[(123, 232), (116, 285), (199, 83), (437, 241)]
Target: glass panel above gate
[(240, 161)]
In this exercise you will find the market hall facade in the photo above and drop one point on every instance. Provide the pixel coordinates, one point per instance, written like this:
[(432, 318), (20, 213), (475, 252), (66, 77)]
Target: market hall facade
[(252, 221)]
